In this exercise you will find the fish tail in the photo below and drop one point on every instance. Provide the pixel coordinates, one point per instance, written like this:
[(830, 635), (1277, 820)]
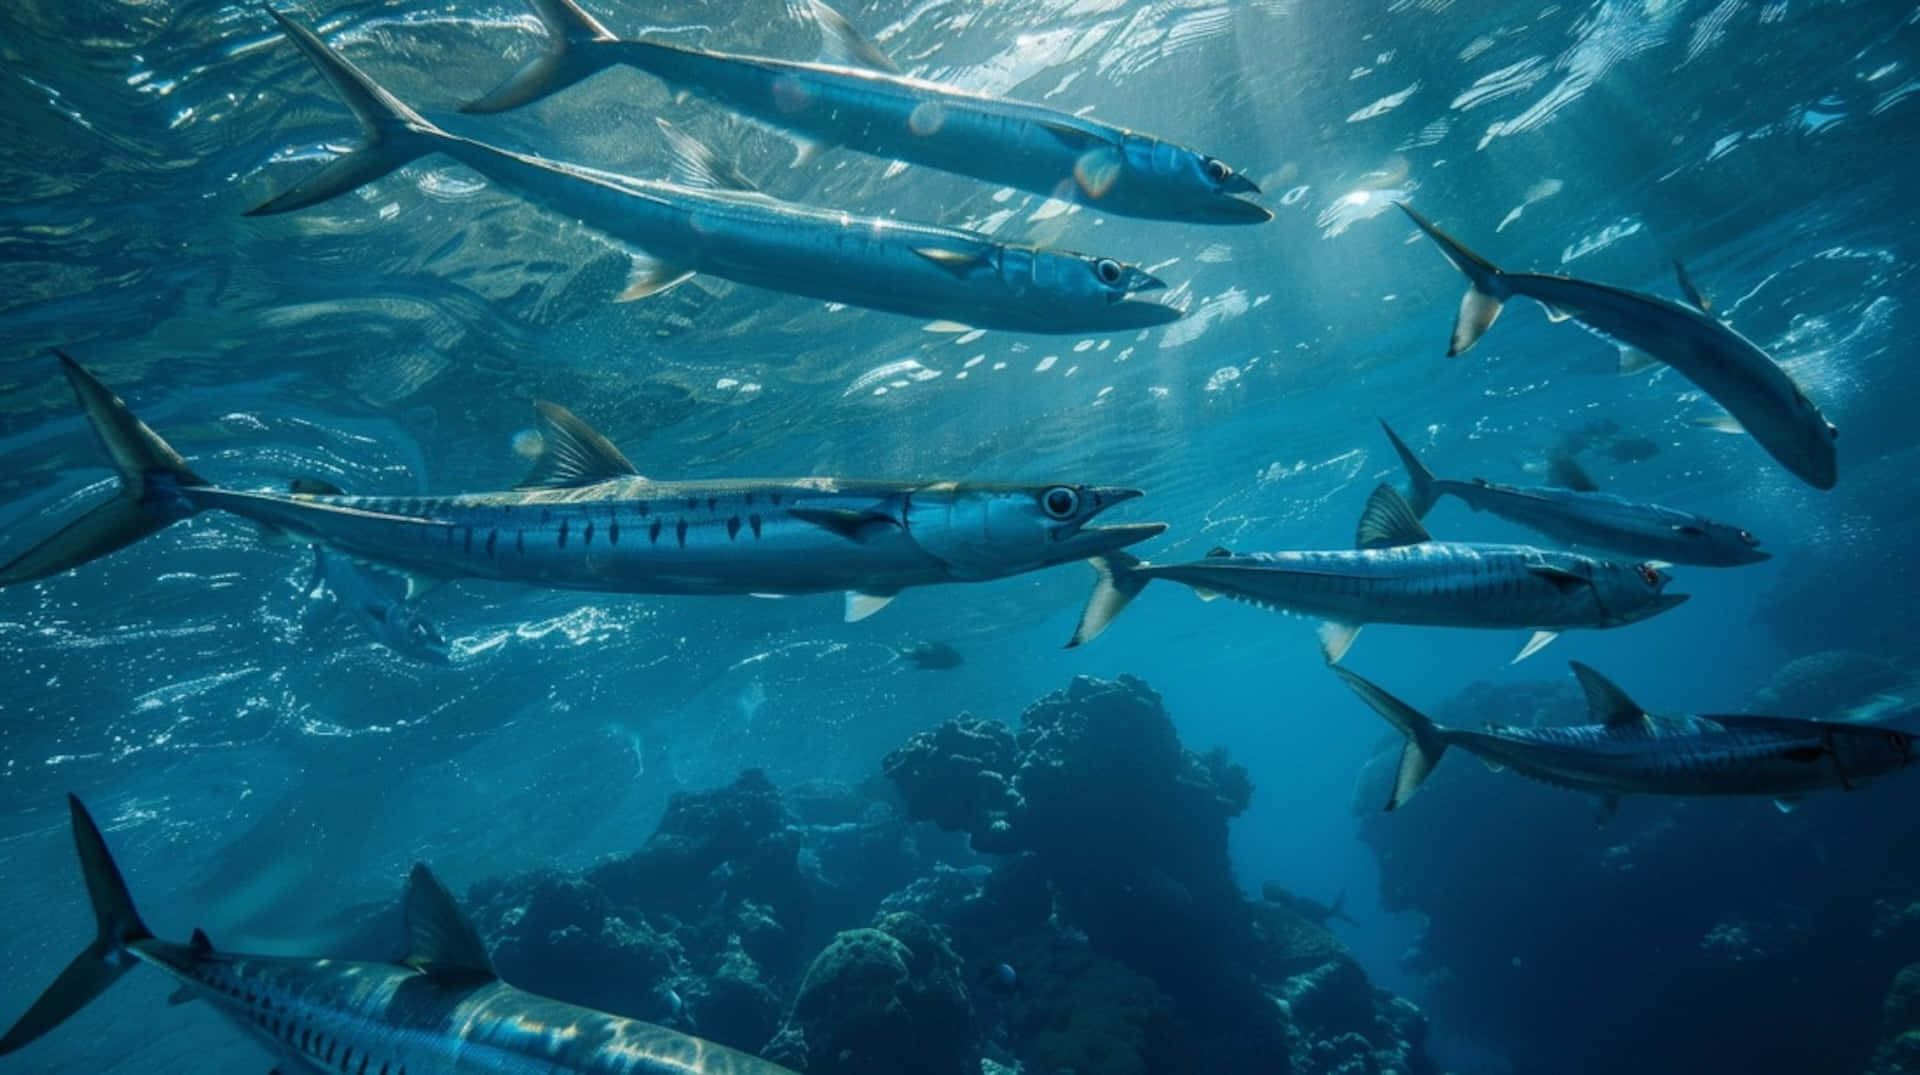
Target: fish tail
[(559, 65), (392, 133), (103, 961), (152, 476), (1422, 489), (1117, 581), (1426, 741), (1486, 287)]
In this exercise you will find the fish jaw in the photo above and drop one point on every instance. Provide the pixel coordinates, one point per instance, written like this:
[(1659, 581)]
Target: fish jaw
[(1090, 541), (1125, 313), (1226, 209)]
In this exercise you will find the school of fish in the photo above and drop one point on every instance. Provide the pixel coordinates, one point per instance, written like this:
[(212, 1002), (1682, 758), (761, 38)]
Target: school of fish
[(585, 517)]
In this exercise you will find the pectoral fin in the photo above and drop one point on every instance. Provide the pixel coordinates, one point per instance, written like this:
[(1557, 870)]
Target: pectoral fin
[(1336, 638), (861, 605), (1388, 521), (961, 263), (572, 453), (692, 164), (650, 276), (1097, 170), (1787, 804), (1534, 645), (1718, 423), (1633, 360), (857, 526), (1687, 288)]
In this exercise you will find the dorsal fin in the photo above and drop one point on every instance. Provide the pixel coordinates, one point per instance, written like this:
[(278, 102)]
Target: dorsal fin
[(1389, 521), (572, 453), (692, 164), (314, 487), (200, 943), (1607, 703), (1218, 551), (441, 941), (840, 43), (1689, 289), (961, 263), (1566, 472)]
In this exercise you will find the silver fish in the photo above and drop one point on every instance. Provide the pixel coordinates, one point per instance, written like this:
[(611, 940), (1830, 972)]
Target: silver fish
[(584, 519), (442, 1009), (858, 99), (379, 602), (700, 225), (1628, 751), (1588, 518), (1399, 574), (1756, 392)]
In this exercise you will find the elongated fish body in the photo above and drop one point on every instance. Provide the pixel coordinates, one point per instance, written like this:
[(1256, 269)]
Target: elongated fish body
[(876, 110), (1398, 574), (1725, 365), (1588, 518), (633, 535), (1628, 751), (585, 520), (442, 1011), (1435, 584), (916, 269)]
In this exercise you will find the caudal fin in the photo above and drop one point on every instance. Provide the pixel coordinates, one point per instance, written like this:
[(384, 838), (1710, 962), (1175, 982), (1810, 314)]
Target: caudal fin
[(1117, 581), (151, 473), (560, 64), (1421, 486), (1486, 291), (392, 133), (101, 963), (1426, 741)]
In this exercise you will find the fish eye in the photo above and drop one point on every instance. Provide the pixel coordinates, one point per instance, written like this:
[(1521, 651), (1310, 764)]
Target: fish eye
[(1650, 574), (1060, 502), (1217, 169), (1898, 741), (1109, 271), (1748, 537)]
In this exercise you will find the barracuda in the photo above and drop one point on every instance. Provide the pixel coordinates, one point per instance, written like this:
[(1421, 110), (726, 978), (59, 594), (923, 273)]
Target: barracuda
[(1628, 751), (584, 519), (441, 1011), (1588, 518), (862, 102), (1398, 574), (1757, 394), (701, 225)]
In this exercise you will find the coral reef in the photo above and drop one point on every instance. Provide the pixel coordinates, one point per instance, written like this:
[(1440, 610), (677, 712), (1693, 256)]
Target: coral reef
[(1070, 909)]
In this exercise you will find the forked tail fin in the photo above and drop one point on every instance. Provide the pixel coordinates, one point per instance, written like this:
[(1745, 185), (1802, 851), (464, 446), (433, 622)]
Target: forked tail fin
[(151, 474), (1426, 741), (101, 963), (560, 64), (392, 133), (1117, 581), (1421, 491), (1486, 291)]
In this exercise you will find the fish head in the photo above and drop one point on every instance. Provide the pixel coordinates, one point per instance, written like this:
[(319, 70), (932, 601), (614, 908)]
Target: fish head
[(1173, 182), (1812, 456), (1863, 751), (1096, 290), (405, 631), (1721, 544), (1629, 592), (984, 531)]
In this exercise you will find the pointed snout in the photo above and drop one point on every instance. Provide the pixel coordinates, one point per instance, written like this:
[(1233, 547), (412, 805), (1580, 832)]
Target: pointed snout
[(1097, 540), (1142, 280), (1224, 208), (1238, 183)]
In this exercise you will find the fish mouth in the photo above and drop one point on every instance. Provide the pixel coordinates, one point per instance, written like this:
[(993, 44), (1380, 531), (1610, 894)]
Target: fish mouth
[(1142, 281), (1229, 210), (1096, 540), (1238, 183), (1125, 313)]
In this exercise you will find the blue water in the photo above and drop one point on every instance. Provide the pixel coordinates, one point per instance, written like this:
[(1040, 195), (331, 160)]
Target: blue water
[(257, 775)]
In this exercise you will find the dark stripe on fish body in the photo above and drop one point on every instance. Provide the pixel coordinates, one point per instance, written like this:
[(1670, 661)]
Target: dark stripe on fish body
[(713, 504), (754, 521), (563, 533), (492, 536), (613, 533), (653, 533), (469, 539), (733, 527), (520, 542), (586, 538), (680, 532), (693, 503), (645, 509)]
